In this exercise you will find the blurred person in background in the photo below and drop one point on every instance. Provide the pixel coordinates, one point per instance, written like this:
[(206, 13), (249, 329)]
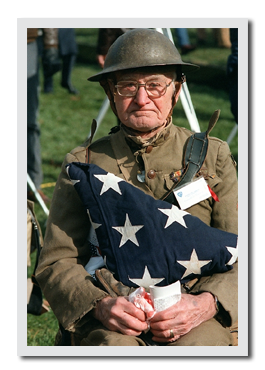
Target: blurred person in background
[(184, 40), (51, 64), (232, 73), (221, 36), (67, 52)]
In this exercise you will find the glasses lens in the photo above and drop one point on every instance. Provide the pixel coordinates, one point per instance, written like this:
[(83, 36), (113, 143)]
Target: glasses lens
[(153, 88), (127, 88), (156, 88)]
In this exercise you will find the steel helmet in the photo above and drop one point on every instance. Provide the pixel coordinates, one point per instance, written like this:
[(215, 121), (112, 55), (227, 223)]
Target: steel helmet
[(139, 48)]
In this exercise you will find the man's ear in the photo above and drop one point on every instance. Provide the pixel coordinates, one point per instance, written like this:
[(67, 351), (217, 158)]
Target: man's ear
[(176, 93), (108, 90), (175, 97)]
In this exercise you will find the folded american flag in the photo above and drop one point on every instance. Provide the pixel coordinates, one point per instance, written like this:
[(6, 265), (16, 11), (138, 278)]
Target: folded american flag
[(145, 241)]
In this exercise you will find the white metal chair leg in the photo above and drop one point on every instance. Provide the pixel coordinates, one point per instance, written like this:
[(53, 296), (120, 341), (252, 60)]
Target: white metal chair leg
[(37, 195), (232, 134)]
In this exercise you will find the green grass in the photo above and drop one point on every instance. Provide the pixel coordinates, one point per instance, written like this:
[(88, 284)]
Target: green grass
[(65, 123), (41, 330)]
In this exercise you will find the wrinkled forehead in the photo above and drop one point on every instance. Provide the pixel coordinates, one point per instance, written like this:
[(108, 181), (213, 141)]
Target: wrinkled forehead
[(146, 73)]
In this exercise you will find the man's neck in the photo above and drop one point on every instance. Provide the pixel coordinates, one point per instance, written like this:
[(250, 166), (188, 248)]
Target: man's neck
[(145, 134)]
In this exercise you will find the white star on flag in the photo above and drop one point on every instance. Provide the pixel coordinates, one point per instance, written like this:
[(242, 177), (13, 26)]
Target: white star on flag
[(193, 266), (110, 181), (146, 280), (234, 252), (174, 215), (128, 231), (94, 224)]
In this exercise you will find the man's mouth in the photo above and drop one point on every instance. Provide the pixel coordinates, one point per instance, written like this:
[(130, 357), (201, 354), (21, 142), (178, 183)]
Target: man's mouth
[(140, 111)]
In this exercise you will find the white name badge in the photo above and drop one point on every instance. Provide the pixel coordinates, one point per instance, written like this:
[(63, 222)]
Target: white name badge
[(192, 193)]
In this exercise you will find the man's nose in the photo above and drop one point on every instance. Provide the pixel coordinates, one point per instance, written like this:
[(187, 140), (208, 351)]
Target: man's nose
[(141, 97)]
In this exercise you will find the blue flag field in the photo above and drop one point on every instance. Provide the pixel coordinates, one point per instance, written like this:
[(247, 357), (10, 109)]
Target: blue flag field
[(145, 241)]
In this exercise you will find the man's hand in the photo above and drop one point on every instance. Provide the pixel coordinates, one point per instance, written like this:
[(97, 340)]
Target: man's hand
[(192, 310), (120, 315), (101, 60)]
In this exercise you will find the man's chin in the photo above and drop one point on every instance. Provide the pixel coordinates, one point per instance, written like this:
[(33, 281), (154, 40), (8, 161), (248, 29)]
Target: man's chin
[(144, 125)]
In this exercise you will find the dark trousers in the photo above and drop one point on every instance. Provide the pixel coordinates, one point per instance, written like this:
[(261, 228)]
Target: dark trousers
[(34, 168), (67, 66)]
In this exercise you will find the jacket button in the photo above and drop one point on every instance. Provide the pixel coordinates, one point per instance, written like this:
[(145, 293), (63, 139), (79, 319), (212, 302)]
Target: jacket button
[(151, 174), (149, 149)]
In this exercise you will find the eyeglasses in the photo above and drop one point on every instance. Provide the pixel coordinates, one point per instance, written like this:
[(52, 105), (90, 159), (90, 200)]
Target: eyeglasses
[(153, 88)]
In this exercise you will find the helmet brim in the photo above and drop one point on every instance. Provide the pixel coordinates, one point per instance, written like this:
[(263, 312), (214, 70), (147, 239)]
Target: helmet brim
[(104, 74)]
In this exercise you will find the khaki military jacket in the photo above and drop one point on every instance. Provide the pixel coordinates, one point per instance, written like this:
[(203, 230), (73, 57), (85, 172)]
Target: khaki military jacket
[(70, 290)]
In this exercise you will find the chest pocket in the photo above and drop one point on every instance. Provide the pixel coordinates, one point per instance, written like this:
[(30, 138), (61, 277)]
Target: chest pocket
[(213, 180)]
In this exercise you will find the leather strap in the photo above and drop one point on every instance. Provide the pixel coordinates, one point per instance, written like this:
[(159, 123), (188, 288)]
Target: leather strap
[(195, 154), (36, 234), (93, 130)]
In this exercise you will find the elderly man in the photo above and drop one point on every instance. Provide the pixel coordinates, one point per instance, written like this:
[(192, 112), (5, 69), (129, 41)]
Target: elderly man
[(142, 77)]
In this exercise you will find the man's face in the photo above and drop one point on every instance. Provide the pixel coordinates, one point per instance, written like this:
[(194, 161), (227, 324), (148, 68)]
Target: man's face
[(142, 112)]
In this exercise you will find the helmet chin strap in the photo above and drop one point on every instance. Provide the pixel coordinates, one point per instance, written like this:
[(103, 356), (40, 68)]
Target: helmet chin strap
[(174, 100), (110, 95)]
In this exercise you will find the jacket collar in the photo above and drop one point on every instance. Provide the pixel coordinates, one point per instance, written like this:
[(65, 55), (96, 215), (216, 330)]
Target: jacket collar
[(156, 140)]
